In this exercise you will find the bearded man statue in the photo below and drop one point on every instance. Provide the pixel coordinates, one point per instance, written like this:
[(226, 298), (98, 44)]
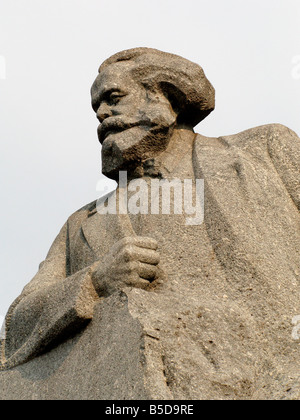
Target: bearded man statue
[(141, 304)]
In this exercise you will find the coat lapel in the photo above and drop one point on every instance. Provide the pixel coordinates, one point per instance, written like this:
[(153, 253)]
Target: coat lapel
[(102, 231)]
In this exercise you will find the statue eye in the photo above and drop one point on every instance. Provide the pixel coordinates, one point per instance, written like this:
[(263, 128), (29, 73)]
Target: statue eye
[(115, 97)]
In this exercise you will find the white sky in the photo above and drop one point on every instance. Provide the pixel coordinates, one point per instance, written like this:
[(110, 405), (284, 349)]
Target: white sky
[(50, 157)]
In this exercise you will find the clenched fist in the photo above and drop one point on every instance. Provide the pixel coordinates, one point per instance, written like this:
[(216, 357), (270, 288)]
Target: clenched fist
[(131, 262)]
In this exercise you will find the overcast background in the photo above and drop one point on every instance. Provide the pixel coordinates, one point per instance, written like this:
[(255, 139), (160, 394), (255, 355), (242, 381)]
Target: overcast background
[(49, 55)]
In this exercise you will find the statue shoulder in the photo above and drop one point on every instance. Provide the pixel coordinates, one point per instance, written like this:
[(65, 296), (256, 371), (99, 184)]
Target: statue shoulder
[(274, 141), (82, 213), (88, 210), (259, 137), (264, 132)]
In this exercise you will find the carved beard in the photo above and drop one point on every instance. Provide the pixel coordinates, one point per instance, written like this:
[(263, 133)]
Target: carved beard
[(126, 145)]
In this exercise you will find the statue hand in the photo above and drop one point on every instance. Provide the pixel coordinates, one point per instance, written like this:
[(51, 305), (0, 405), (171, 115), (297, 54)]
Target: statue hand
[(131, 262)]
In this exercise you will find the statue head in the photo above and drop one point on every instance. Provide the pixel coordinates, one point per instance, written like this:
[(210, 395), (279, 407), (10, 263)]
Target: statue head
[(140, 96)]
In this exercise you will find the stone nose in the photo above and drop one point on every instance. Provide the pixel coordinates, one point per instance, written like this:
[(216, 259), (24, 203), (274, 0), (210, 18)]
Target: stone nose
[(103, 112)]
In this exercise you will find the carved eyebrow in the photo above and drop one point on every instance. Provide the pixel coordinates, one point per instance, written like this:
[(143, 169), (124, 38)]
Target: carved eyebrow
[(96, 101)]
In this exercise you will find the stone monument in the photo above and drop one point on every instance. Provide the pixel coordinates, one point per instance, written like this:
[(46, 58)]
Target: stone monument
[(137, 302)]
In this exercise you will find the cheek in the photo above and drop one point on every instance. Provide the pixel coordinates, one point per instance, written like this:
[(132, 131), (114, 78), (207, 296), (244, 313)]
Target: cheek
[(132, 106), (161, 114)]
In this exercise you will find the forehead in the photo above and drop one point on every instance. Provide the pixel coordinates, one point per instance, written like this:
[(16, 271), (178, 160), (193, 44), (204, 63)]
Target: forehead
[(115, 76)]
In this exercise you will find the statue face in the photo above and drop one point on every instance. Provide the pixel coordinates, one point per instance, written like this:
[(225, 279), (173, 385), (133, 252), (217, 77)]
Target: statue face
[(135, 124)]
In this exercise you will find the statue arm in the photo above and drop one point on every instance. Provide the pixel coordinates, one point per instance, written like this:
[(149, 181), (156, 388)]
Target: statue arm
[(284, 149), (50, 307)]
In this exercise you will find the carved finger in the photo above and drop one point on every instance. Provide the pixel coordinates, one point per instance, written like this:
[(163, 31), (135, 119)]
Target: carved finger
[(147, 271), (135, 281), (147, 256), (145, 242)]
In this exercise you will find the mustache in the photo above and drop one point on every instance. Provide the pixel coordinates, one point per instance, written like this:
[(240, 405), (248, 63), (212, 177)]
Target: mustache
[(113, 125)]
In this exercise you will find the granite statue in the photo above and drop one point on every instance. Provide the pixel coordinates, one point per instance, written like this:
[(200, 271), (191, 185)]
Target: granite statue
[(144, 306)]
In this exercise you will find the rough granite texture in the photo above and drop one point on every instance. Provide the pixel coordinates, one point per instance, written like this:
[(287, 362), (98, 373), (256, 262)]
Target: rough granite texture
[(216, 322)]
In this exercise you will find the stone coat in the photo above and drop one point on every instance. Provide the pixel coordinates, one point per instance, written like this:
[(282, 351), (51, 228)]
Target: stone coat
[(221, 324)]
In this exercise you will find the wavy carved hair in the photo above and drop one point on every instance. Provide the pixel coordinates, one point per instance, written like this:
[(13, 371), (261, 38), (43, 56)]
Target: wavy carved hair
[(183, 82)]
